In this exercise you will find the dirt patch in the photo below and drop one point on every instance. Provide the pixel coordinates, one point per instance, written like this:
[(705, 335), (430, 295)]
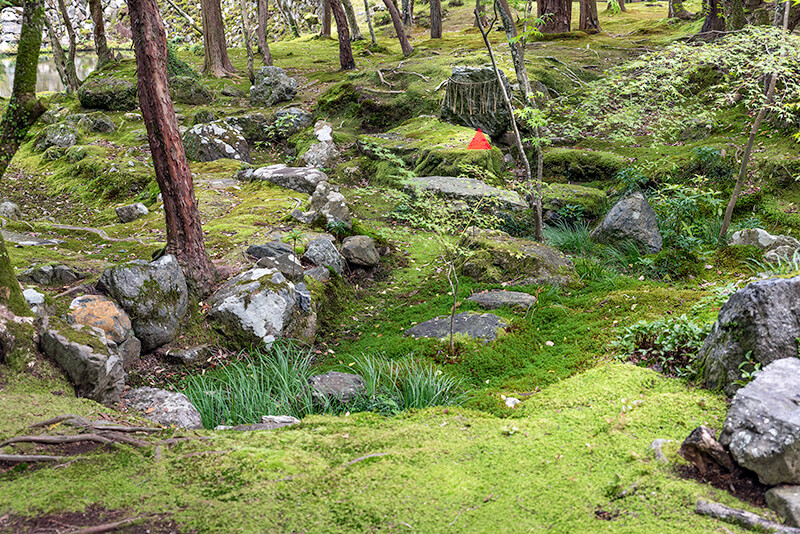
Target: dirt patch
[(93, 516), (744, 486)]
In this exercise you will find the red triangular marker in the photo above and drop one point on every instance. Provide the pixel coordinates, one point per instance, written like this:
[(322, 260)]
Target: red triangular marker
[(479, 142)]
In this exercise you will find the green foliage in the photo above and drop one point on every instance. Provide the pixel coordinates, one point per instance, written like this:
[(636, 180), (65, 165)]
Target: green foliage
[(654, 95), (783, 266), (571, 237), (748, 369), (683, 211), (668, 345), (275, 382), (178, 67)]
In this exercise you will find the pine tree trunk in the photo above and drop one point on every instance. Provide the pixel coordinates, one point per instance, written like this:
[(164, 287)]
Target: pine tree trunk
[(184, 234), (369, 23), (326, 18), (345, 51), (714, 21), (246, 35), (23, 110), (557, 15), (261, 31), (355, 31), (216, 62), (287, 13), (398, 28), (408, 12), (104, 55), (436, 19), (589, 20)]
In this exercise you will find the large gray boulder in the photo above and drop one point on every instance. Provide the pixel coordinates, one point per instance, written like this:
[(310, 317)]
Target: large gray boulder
[(10, 210), (260, 306), (329, 205), (288, 264), (131, 212), (474, 98), (759, 323), (188, 90), (61, 135), (97, 123), (96, 372), (484, 326), (273, 249), (254, 126), (469, 191), (271, 86), (630, 219), (113, 94), (786, 503), (215, 140), (762, 428), (497, 298), (47, 275), (300, 179), (167, 408), (322, 252), (154, 294), (110, 323), (360, 250)]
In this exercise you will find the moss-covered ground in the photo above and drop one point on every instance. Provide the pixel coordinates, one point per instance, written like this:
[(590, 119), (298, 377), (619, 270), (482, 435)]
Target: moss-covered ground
[(573, 457)]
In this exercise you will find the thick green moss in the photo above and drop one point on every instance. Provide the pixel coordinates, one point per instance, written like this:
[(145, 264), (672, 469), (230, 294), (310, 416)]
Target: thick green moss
[(575, 165), (592, 201)]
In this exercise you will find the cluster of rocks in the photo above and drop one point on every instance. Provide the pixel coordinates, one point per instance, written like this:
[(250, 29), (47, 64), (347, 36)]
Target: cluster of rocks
[(776, 248)]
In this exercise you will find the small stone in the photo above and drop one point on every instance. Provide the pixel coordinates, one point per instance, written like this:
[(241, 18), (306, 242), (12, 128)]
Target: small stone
[(335, 385), (483, 326), (322, 252), (167, 408), (131, 212), (360, 250), (491, 300), (10, 210)]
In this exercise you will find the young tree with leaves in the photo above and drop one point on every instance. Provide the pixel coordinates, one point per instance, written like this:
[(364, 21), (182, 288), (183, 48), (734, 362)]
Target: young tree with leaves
[(184, 233)]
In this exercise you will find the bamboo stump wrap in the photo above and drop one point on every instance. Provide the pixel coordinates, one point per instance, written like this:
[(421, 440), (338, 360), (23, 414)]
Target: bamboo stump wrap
[(473, 98)]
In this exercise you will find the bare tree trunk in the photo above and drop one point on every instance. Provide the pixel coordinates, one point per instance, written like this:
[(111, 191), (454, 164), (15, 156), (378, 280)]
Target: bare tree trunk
[(714, 22), (589, 20), (737, 189), (355, 31), (326, 18), (398, 28), (287, 12), (408, 12), (678, 11), (184, 232), (535, 199), (436, 19), (246, 34), (186, 16), (261, 31), (58, 55), (104, 55), (72, 73), (517, 52), (369, 23), (345, 51), (216, 62), (557, 15)]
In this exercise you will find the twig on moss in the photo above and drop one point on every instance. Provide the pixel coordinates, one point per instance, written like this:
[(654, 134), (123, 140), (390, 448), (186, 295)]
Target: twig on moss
[(742, 518)]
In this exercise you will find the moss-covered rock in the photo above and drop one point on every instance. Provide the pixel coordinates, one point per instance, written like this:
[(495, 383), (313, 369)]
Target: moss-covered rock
[(113, 94), (189, 90), (589, 200), (575, 165)]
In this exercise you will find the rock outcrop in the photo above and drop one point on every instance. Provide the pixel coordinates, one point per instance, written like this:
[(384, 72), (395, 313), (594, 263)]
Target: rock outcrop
[(167, 408), (630, 219), (271, 86), (215, 140), (300, 179)]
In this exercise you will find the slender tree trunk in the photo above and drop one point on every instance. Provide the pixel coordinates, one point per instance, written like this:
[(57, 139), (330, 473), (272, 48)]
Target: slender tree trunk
[(369, 23), (72, 73), (737, 189), (246, 34), (355, 31), (326, 18), (184, 233), (678, 11), (104, 55), (408, 12), (557, 15), (734, 14), (345, 51), (482, 11), (535, 198), (517, 51), (622, 6), (261, 31), (187, 17), (714, 20), (589, 20), (398, 28), (216, 62), (58, 55), (436, 19), (287, 12)]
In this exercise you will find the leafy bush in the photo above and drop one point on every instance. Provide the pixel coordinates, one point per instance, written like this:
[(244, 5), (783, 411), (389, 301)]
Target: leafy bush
[(668, 345)]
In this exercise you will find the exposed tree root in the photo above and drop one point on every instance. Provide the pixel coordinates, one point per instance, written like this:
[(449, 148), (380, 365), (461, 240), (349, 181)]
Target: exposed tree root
[(26, 458), (742, 518)]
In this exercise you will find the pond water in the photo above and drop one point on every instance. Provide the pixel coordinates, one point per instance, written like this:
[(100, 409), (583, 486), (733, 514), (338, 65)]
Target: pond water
[(48, 79)]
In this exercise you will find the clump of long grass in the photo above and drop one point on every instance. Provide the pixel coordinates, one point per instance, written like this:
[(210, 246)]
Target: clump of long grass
[(569, 237), (276, 382)]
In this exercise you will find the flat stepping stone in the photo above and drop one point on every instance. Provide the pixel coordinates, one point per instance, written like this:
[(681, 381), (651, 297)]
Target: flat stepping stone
[(25, 240), (475, 325), (300, 179), (491, 300), (467, 190)]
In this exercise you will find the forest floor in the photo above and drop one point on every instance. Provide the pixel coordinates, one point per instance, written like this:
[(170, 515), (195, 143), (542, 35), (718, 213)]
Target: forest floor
[(574, 456)]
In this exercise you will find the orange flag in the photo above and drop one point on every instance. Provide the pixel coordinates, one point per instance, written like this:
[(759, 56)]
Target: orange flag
[(479, 142)]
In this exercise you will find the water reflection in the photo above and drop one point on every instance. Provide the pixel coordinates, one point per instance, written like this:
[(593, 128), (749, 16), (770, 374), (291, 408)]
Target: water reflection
[(48, 79)]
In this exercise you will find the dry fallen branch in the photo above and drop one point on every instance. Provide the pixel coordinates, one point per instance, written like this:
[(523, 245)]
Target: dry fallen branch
[(362, 458), (108, 527), (383, 80), (77, 420), (57, 439), (20, 458), (742, 518), (385, 92)]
